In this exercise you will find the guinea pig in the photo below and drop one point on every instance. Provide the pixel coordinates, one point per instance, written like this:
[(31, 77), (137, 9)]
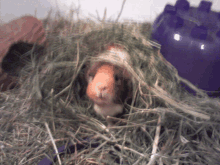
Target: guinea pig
[(108, 87)]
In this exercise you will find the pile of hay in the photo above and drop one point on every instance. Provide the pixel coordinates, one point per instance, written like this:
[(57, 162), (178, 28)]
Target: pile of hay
[(163, 123)]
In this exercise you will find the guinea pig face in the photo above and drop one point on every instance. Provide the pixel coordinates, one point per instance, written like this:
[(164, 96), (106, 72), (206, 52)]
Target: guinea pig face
[(102, 84)]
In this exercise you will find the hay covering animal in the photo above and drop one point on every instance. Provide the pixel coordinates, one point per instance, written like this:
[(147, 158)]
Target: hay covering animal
[(109, 85)]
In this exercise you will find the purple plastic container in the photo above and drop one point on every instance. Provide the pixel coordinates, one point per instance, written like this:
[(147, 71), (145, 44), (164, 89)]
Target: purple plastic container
[(190, 40)]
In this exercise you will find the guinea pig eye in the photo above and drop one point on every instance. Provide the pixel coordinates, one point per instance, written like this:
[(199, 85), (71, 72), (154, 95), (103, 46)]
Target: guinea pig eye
[(116, 78), (91, 74)]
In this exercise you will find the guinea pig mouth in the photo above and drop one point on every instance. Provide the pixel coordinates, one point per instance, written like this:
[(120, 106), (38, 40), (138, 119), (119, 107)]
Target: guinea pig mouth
[(101, 101)]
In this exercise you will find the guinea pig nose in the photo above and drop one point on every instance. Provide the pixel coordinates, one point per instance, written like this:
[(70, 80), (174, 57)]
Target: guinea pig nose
[(103, 88), (100, 89)]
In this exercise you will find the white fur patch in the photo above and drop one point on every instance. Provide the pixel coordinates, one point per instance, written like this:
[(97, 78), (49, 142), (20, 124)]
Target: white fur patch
[(108, 110)]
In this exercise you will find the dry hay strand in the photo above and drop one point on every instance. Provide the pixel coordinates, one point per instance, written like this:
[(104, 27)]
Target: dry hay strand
[(163, 124)]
